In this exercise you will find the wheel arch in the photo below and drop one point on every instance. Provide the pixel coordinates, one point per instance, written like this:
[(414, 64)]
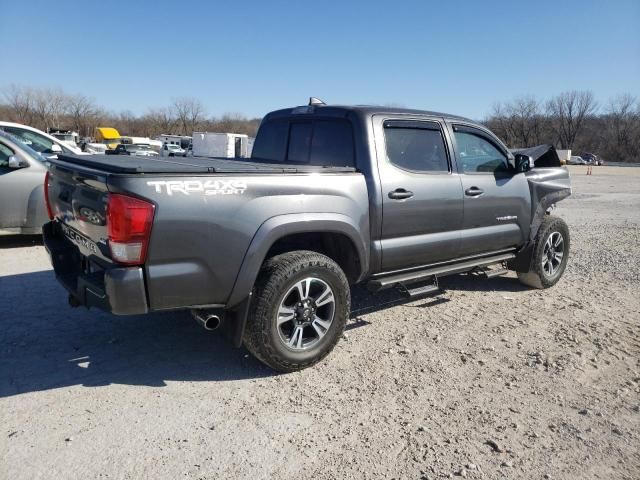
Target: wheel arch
[(332, 234)]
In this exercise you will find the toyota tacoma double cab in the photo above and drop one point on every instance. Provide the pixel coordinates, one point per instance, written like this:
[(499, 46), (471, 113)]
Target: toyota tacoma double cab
[(267, 247)]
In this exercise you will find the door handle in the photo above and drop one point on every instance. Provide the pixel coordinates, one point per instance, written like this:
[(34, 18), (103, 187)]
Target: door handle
[(400, 194), (473, 192)]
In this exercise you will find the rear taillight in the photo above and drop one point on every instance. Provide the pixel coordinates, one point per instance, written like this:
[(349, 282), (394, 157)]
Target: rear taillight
[(46, 195), (129, 223)]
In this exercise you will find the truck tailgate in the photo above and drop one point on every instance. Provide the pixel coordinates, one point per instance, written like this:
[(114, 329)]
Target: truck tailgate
[(78, 200), (77, 242)]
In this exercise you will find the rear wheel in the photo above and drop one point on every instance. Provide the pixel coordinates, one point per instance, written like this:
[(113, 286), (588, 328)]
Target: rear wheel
[(300, 307), (550, 254)]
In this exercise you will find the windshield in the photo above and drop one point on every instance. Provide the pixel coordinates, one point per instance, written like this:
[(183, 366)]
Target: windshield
[(25, 147), (65, 138), (36, 141)]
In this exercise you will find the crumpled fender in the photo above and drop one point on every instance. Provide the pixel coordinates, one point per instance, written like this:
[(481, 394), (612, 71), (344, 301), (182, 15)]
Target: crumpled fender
[(547, 186)]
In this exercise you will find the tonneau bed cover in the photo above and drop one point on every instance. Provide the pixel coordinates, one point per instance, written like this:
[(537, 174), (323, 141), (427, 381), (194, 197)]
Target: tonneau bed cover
[(125, 164)]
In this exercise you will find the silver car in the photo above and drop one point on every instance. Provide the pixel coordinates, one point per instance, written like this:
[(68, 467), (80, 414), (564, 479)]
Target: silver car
[(22, 172)]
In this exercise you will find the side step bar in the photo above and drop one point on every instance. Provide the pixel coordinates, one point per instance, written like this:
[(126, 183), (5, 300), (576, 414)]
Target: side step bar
[(442, 270), (495, 273), (422, 291)]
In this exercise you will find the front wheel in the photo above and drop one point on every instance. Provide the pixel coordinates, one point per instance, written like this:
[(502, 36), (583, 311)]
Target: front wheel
[(550, 254), (301, 303)]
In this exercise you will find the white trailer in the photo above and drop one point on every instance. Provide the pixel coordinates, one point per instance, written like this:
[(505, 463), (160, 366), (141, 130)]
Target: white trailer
[(225, 145)]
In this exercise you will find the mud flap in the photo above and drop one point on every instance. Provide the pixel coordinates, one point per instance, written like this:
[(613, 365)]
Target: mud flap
[(235, 320), (522, 262)]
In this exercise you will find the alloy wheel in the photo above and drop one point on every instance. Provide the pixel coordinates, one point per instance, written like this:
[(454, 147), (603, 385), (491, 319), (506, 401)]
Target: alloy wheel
[(305, 313)]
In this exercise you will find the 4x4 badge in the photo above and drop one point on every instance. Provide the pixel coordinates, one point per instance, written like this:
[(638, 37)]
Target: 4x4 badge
[(209, 187)]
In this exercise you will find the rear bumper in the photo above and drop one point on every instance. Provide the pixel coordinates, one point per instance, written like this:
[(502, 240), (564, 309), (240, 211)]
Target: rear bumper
[(119, 290)]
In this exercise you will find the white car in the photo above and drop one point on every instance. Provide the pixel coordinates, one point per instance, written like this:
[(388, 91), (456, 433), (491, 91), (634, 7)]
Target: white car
[(41, 142), (170, 150)]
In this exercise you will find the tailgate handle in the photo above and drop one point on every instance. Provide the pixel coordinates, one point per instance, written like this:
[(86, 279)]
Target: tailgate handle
[(400, 194)]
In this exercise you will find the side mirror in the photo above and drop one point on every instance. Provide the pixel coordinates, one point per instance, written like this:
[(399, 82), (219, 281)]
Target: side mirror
[(55, 148), (15, 162), (523, 163)]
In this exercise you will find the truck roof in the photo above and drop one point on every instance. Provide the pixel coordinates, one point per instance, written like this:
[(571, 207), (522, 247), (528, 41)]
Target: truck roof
[(362, 110)]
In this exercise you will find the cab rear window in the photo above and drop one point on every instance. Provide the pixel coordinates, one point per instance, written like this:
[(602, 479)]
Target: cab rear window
[(271, 141), (321, 142)]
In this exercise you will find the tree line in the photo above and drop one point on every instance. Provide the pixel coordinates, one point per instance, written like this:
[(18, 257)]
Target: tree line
[(571, 120), (50, 108)]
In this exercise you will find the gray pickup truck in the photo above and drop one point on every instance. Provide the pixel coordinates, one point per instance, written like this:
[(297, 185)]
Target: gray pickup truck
[(267, 247)]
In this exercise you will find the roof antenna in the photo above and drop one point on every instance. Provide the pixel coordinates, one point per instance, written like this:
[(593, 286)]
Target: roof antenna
[(315, 101)]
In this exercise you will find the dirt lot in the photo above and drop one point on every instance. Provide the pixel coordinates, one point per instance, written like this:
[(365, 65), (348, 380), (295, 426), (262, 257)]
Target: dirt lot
[(494, 381)]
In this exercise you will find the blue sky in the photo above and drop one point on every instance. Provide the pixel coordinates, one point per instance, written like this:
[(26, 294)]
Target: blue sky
[(252, 57)]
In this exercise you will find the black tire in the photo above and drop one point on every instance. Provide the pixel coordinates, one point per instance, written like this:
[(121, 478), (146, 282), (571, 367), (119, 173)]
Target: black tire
[(279, 275), (538, 276)]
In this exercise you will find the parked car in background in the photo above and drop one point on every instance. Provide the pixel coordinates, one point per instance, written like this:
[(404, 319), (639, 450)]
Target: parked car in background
[(41, 142), (169, 150), (576, 160), (22, 172), (91, 147), (591, 158), (134, 149)]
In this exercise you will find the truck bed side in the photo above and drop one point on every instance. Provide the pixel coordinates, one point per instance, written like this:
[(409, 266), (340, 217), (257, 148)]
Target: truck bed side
[(210, 232)]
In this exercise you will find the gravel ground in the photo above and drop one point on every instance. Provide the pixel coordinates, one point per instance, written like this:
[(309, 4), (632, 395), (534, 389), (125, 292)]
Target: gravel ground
[(494, 380)]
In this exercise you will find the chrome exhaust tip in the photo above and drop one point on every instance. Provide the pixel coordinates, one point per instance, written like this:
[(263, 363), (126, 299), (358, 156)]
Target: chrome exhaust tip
[(209, 321)]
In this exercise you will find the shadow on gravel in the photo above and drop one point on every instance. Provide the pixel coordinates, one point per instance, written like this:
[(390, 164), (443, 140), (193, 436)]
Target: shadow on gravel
[(480, 284), (15, 241), (45, 344)]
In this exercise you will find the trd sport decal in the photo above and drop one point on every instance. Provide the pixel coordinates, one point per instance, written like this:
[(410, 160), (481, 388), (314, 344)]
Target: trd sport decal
[(208, 187)]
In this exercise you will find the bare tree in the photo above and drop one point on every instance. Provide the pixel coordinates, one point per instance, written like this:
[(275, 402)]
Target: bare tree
[(622, 128), (159, 120), (82, 114), (527, 120), (20, 103), (189, 113), (568, 111), (502, 123), (48, 107), (520, 122)]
